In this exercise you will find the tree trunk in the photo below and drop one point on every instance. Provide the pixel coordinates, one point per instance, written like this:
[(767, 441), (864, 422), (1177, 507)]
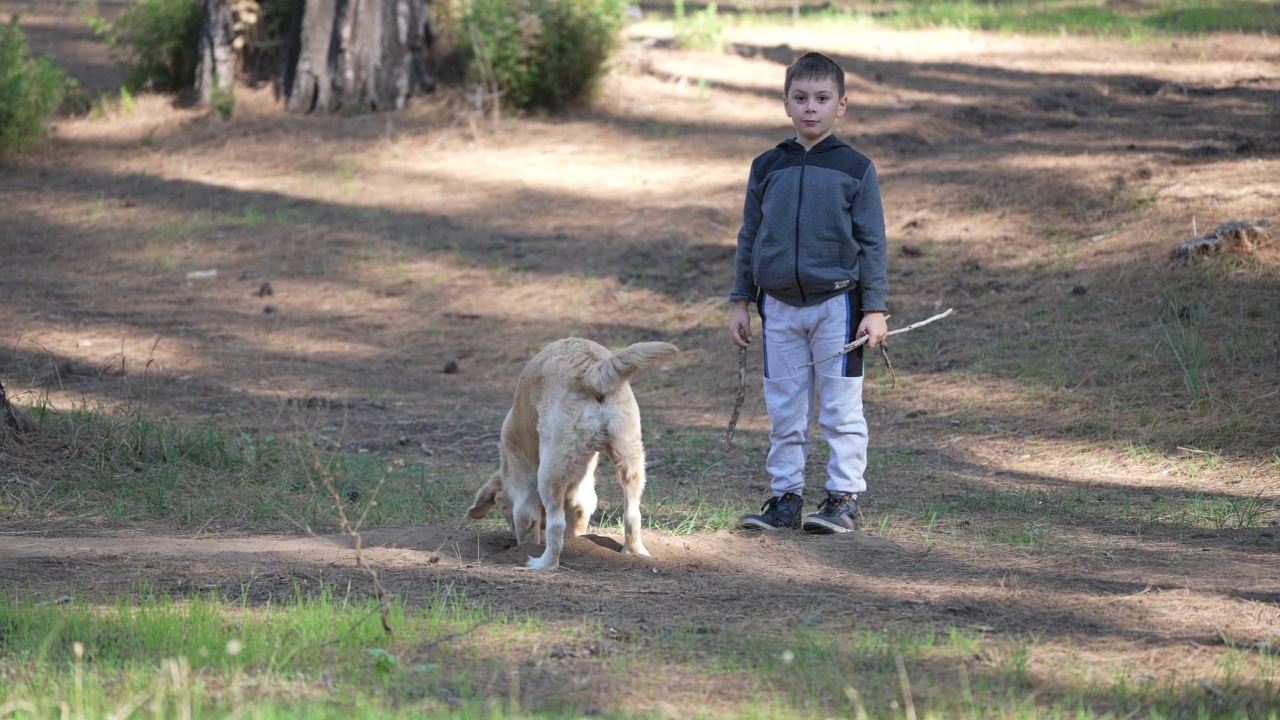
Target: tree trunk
[(217, 56), (11, 421), (356, 54)]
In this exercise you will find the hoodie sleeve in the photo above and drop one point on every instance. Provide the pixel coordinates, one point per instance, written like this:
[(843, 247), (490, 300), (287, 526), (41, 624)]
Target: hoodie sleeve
[(868, 231), (744, 283)]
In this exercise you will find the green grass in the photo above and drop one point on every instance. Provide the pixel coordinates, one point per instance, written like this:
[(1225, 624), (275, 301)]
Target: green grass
[(168, 233), (319, 655), (1184, 341), (1056, 17), (686, 501), (326, 655), (124, 465)]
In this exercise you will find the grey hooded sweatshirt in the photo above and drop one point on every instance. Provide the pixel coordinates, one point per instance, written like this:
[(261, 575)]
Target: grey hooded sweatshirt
[(812, 227)]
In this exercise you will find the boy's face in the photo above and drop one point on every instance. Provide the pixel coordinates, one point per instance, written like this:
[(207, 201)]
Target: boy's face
[(813, 107)]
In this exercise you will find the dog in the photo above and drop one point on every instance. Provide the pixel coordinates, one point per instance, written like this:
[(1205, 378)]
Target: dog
[(573, 401)]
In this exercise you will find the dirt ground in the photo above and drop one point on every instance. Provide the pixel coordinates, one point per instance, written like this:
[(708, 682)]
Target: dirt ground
[(138, 251)]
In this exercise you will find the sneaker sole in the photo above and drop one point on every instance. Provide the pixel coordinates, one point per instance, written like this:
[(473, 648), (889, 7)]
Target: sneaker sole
[(819, 526), (754, 524)]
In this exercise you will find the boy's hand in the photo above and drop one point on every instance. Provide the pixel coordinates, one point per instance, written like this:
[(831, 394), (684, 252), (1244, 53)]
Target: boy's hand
[(740, 324), (873, 325)]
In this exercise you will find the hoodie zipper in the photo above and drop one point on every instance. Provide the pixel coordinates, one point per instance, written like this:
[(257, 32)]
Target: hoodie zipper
[(804, 162)]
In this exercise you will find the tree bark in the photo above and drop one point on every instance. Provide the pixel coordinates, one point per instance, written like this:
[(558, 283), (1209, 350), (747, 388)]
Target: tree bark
[(366, 55), (11, 421), (217, 55)]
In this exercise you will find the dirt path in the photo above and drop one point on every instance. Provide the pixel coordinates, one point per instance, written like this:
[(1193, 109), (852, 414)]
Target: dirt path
[(1146, 603)]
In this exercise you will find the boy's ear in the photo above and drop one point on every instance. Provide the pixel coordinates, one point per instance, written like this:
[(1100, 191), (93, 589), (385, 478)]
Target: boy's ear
[(844, 105)]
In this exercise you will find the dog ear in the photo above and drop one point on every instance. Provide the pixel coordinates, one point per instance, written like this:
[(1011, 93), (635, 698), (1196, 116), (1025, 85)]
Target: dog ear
[(486, 498)]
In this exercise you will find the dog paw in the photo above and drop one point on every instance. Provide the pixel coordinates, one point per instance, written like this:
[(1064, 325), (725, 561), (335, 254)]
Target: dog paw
[(537, 563)]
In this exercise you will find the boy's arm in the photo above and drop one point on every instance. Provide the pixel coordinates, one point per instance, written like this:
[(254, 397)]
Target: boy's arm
[(868, 231), (744, 285)]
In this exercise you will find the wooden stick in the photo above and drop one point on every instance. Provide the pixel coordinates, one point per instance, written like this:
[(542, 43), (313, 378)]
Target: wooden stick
[(862, 340), (742, 396), (884, 350)]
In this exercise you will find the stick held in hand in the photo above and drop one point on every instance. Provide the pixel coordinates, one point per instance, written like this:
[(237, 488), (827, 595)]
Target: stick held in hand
[(742, 395), (860, 341)]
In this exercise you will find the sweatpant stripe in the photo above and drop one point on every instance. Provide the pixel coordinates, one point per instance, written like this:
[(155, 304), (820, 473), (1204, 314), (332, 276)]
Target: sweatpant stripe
[(853, 360), (763, 330)]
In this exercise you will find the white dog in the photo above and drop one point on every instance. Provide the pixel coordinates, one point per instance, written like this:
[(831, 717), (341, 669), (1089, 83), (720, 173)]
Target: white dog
[(572, 402)]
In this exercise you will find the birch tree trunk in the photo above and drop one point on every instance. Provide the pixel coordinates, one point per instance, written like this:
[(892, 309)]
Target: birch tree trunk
[(368, 55)]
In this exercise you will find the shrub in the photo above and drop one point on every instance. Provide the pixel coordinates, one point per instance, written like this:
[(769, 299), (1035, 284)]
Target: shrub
[(157, 41), (222, 99), (122, 104), (702, 30), (30, 90), (542, 54)]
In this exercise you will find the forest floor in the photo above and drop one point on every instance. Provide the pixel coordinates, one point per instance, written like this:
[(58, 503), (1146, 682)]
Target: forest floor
[(1036, 185)]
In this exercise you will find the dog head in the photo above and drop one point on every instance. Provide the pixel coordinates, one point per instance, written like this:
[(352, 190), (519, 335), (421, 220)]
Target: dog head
[(492, 495)]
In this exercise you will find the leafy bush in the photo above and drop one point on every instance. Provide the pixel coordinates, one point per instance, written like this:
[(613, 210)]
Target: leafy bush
[(157, 41), (30, 90), (107, 104), (702, 30), (541, 54), (222, 99)]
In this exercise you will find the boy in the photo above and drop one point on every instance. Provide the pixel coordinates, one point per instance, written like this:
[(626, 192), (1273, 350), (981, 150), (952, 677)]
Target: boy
[(811, 255)]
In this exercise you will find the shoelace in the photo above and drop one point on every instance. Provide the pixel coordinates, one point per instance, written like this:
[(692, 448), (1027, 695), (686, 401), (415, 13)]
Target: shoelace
[(772, 503), (829, 505)]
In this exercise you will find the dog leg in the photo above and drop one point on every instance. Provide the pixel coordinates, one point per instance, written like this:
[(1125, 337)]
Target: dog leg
[(526, 513), (550, 559), (582, 500), (629, 463), (557, 465)]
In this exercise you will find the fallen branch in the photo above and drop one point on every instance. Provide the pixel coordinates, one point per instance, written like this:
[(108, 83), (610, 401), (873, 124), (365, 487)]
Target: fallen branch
[(862, 340), (1238, 236)]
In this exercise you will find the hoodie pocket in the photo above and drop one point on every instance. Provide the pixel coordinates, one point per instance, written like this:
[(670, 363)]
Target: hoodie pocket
[(828, 266), (773, 264)]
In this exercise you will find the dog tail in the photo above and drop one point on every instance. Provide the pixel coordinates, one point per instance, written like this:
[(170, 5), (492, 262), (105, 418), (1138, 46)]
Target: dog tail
[(608, 375)]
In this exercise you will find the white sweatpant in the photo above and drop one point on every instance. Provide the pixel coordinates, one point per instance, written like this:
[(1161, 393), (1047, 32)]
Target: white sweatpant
[(797, 335)]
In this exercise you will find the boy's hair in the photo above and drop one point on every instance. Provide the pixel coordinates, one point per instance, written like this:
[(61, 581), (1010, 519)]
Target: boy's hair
[(814, 66)]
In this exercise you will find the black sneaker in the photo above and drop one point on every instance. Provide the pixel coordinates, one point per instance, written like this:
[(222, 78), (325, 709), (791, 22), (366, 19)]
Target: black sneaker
[(777, 512), (837, 514)]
